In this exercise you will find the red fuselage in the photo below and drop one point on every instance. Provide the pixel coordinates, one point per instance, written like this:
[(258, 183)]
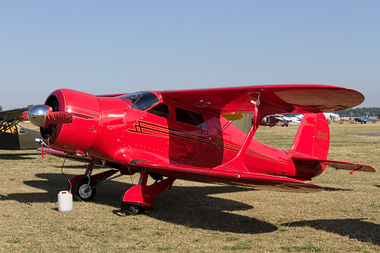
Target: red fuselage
[(144, 126)]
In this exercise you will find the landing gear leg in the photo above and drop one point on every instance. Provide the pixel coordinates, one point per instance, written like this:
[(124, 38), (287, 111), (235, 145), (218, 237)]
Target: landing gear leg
[(84, 186), (141, 197)]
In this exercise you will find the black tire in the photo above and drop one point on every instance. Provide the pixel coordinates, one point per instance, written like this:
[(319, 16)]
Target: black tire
[(80, 190)]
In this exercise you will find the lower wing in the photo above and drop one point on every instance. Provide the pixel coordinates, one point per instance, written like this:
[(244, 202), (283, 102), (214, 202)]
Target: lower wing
[(252, 180), (200, 174)]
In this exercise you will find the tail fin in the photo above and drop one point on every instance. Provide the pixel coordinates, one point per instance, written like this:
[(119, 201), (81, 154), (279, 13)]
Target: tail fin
[(313, 136)]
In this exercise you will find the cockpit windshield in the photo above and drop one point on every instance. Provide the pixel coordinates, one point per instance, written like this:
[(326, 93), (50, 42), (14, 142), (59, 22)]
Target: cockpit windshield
[(140, 100)]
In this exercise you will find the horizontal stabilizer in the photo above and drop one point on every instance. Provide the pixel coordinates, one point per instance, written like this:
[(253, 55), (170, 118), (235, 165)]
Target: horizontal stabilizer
[(339, 165)]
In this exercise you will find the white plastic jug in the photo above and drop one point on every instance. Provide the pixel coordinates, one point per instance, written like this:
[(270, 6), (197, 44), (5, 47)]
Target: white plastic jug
[(65, 201)]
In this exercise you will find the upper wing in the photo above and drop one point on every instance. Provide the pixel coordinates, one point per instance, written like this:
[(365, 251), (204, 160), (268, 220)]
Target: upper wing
[(253, 180), (276, 98)]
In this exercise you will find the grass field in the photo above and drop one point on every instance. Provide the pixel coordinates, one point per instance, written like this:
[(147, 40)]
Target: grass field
[(197, 217)]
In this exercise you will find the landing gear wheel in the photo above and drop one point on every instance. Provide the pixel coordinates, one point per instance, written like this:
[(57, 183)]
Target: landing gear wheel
[(83, 191)]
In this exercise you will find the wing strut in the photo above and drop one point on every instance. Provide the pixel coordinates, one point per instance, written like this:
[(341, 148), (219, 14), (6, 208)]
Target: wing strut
[(237, 163)]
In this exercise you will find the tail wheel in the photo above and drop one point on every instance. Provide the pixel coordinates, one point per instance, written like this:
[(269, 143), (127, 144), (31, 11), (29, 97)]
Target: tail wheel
[(130, 208), (82, 190)]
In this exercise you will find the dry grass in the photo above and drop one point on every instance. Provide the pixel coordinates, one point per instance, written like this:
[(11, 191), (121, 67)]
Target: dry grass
[(197, 217)]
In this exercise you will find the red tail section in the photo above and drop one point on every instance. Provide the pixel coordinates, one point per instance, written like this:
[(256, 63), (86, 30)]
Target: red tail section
[(313, 136), (311, 144)]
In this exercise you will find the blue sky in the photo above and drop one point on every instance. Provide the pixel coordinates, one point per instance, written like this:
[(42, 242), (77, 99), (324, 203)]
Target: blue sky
[(104, 47)]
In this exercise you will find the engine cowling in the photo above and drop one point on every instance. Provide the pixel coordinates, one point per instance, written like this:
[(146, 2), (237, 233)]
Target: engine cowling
[(79, 134)]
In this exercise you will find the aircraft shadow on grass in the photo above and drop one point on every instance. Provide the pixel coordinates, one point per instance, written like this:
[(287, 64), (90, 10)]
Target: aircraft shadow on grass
[(358, 229), (188, 206), (332, 189), (79, 166), (17, 156), (191, 206)]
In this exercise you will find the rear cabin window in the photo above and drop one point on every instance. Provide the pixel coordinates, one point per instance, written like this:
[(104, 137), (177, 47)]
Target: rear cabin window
[(190, 118), (140, 100), (161, 110)]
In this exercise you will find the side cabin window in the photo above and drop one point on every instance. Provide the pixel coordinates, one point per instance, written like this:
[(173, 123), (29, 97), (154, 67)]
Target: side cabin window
[(140, 100), (190, 118), (161, 110)]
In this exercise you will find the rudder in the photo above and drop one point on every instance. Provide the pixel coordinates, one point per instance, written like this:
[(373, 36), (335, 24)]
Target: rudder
[(313, 136)]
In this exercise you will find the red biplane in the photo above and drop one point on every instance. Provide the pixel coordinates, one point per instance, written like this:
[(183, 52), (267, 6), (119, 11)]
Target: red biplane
[(171, 135)]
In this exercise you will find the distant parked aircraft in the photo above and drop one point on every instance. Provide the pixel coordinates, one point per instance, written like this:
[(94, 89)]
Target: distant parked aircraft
[(289, 120), (12, 134), (331, 116), (365, 118)]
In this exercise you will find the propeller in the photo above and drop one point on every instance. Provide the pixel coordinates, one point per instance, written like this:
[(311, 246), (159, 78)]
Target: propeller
[(43, 116)]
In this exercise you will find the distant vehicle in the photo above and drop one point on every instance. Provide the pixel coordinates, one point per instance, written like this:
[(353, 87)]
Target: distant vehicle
[(12, 135)]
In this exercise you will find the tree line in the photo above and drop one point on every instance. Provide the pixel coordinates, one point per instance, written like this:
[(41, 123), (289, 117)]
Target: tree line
[(370, 111)]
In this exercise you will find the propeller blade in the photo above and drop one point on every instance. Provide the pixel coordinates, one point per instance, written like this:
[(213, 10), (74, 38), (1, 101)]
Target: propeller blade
[(43, 116), (58, 118)]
